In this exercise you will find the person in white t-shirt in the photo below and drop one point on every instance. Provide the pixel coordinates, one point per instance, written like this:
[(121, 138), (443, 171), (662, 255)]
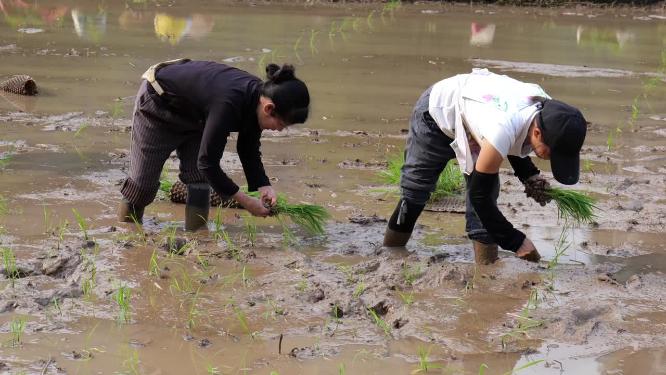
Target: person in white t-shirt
[(480, 119)]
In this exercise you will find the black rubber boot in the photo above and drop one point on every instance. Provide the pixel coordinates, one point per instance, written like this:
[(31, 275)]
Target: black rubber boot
[(197, 206), (401, 224), (394, 238), (485, 254), (129, 213)]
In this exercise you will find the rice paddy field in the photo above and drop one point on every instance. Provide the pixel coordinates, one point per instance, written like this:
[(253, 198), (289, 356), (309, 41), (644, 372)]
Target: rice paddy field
[(81, 293)]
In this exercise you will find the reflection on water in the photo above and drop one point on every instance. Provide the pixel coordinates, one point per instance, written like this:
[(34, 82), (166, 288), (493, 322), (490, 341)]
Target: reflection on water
[(598, 38), (482, 35), (90, 26), (174, 29)]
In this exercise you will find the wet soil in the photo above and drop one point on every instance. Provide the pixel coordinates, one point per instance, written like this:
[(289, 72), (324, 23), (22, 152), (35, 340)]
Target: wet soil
[(339, 303)]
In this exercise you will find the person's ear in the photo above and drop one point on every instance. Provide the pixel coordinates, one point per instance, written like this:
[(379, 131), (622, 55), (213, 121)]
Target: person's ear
[(269, 108), (537, 133)]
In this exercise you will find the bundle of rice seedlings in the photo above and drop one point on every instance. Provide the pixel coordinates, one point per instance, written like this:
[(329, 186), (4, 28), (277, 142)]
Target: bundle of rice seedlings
[(308, 216), (573, 206), (451, 180)]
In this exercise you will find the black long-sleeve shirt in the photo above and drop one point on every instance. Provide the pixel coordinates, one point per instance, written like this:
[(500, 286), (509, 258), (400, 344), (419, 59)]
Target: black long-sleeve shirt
[(222, 99)]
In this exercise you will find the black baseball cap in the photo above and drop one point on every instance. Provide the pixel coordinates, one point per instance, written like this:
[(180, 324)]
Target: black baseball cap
[(564, 129)]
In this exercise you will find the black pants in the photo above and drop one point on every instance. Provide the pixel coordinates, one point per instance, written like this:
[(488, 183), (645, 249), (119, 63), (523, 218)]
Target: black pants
[(156, 132)]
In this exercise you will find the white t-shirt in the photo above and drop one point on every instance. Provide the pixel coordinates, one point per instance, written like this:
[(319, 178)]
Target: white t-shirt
[(484, 105)]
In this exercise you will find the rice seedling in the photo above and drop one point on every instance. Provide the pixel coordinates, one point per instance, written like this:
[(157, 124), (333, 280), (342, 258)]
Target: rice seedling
[(184, 286), (302, 285), (3, 205), (242, 320), (60, 233), (122, 297), (308, 216), (81, 129), (527, 365), (17, 329), (379, 322), (5, 159), (347, 270), (116, 110), (193, 312), (218, 227), (89, 283), (360, 288), (47, 220), (131, 363), (411, 273), (165, 183), (273, 310), (153, 265), (524, 322), (250, 229), (233, 251), (9, 263), (210, 370), (56, 305), (341, 369), (313, 40), (407, 298), (573, 206), (424, 361), (83, 225), (450, 182)]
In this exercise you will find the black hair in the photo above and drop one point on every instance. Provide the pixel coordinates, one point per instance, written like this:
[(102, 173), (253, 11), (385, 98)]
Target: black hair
[(289, 94)]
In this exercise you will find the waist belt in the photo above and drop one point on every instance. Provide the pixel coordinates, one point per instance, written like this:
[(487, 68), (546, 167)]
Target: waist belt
[(149, 75)]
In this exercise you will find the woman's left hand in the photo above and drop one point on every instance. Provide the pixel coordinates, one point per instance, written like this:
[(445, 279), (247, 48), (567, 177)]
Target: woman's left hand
[(268, 195)]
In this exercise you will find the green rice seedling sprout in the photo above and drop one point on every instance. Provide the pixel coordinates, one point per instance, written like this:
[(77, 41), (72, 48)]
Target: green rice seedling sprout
[(360, 288), (525, 323), (424, 361), (411, 273), (80, 130), (273, 310), (407, 298), (233, 251), (341, 369), (184, 286), (153, 265), (527, 365), (17, 329), (450, 182), (302, 285), (573, 206), (483, 368), (56, 305), (3, 205), (60, 233), (47, 220), (379, 322), (83, 225), (242, 320), (9, 262), (210, 370), (165, 183), (313, 40), (89, 283), (250, 229), (123, 296), (116, 110), (193, 312), (347, 270), (218, 227), (307, 216), (131, 363)]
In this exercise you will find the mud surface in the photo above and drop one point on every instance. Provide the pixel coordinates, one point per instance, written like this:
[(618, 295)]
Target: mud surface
[(339, 303)]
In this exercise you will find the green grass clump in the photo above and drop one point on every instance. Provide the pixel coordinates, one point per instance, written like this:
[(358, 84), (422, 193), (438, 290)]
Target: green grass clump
[(573, 206), (308, 216), (451, 181)]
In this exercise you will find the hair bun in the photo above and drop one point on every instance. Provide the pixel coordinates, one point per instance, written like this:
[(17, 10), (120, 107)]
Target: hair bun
[(277, 75)]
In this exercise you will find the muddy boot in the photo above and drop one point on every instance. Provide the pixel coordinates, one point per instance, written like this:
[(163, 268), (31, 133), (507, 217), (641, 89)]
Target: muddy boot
[(197, 206), (485, 254), (394, 238), (129, 213)]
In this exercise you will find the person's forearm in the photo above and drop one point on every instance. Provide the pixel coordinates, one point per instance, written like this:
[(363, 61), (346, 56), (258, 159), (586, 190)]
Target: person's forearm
[(502, 231), (523, 168)]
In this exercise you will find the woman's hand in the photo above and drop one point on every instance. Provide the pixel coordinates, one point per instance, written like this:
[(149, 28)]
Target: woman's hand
[(252, 205), (268, 195), (528, 251)]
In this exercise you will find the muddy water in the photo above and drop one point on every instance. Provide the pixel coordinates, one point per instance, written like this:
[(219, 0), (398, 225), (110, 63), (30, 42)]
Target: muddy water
[(600, 310)]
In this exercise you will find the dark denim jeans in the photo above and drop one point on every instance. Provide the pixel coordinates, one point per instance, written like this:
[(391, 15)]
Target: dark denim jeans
[(427, 152)]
